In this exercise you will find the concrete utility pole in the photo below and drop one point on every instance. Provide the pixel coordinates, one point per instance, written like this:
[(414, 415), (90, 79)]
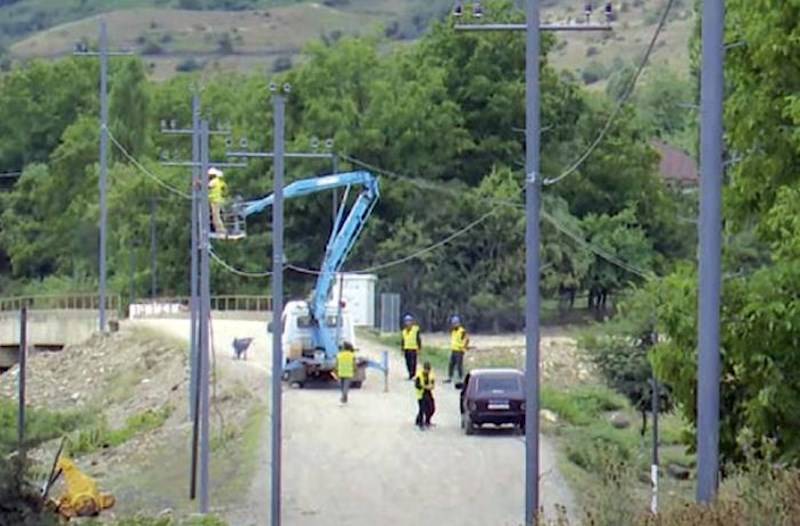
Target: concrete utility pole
[(277, 308), (104, 53), (279, 155), (201, 294), (153, 250), (708, 371), (23, 367), (205, 312), (533, 186), (193, 302)]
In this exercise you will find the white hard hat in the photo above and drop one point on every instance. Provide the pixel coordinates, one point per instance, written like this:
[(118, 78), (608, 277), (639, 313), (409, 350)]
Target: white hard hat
[(215, 172)]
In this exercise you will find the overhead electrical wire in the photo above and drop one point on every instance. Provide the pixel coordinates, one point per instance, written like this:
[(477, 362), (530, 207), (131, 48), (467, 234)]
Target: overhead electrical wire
[(598, 251), (234, 270), (620, 104), (145, 171)]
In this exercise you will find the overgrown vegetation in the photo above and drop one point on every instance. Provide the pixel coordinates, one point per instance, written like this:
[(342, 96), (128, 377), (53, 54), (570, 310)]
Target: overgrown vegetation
[(40, 425), (100, 436)]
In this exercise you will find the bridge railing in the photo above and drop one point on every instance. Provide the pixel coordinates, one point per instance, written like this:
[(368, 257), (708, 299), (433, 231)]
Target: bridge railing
[(60, 302), (177, 305)]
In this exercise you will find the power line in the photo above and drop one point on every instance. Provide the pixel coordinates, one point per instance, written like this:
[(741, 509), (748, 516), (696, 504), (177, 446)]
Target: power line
[(234, 270), (502, 202), (421, 252), (145, 171), (626, 94)]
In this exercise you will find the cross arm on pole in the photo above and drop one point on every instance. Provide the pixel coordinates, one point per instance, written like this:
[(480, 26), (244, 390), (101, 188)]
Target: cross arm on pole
[(542, 27), (290, 155)]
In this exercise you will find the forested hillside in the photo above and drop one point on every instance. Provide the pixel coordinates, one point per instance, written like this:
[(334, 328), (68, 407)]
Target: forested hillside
[(176, 36), (446, 114)]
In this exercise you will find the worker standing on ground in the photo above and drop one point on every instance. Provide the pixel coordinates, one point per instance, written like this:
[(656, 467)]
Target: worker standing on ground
[(459, 341), (424, 383), (345, 368), (217, 193), (411, 344)]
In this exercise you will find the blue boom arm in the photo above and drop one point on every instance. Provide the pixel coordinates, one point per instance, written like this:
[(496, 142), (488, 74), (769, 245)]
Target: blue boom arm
[(343, 237)]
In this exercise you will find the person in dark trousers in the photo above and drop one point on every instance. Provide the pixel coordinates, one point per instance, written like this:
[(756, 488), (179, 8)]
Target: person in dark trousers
[(411, 344), (459, 341), (345, 368), (424, 383)]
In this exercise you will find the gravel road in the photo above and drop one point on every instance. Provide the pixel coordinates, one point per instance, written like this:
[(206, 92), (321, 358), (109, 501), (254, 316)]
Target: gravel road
[(365, 463)]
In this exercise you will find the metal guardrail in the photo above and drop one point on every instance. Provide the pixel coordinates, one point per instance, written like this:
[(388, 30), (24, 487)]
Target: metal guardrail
[(59, 302)]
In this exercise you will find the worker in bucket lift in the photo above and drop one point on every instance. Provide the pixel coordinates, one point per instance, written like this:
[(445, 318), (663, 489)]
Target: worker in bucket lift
[(217, 193), (411, 344), (424, 383), (345, 368), (459, 341)]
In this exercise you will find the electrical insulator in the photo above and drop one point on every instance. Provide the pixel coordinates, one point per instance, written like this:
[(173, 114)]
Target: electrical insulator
[(609, 11), (458, 9), (477, 10), (587, 10)]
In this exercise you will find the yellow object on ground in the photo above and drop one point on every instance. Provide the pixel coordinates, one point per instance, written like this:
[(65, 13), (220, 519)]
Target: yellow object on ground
[(81, 497)]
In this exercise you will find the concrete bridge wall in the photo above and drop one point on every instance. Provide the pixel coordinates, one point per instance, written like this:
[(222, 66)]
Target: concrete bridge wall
[(50, 327)]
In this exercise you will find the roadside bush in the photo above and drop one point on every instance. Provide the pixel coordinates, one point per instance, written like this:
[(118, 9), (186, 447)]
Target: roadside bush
[(19, 502)]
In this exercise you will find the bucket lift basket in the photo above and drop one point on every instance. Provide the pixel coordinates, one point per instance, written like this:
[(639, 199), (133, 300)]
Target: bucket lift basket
[(233, 220)]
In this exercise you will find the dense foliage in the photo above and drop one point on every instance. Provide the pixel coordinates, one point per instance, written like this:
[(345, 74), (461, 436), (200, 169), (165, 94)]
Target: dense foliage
[(446, 113)]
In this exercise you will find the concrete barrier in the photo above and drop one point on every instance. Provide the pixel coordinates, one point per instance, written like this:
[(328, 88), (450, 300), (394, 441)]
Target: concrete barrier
[(50, 327)]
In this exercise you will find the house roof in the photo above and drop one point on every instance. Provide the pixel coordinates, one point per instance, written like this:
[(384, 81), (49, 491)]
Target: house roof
[(677, 166)]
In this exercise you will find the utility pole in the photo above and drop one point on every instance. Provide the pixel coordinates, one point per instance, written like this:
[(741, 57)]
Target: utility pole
[(533, 185), (205, 312), (708, 370), (201, 295), (193, 302), (277, 307), (104, 53), (23, 366), (153, 249), (656, 402)]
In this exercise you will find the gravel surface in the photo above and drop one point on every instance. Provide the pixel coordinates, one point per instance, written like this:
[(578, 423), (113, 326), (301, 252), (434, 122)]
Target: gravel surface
[(366, 463)]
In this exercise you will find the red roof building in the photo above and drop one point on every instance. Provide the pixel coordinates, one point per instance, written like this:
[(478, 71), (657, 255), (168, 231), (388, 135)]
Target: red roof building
[(677, 167)]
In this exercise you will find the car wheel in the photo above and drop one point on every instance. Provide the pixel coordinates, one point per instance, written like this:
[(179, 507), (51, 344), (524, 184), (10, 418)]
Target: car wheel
[(468, 424), (521, 428)]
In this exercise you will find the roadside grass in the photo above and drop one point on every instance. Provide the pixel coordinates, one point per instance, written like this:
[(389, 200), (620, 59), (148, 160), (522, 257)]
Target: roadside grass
[(41, 425), (100, 436)]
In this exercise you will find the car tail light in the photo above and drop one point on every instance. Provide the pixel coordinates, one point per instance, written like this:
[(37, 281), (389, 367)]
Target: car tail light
[(522, 406)]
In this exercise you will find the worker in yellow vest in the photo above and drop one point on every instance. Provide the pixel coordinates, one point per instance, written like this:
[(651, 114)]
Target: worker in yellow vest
[(424, 382), (217, 193), (411, 344), (345, 368), (459, 341)]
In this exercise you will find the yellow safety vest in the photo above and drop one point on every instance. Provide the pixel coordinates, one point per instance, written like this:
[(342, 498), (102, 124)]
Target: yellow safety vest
[(345, 365), (458, 339), (217, 189), (410, 338), (426, 386)]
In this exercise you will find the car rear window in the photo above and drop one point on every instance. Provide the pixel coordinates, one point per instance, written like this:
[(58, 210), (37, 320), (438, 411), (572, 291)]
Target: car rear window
[(505, 385)]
